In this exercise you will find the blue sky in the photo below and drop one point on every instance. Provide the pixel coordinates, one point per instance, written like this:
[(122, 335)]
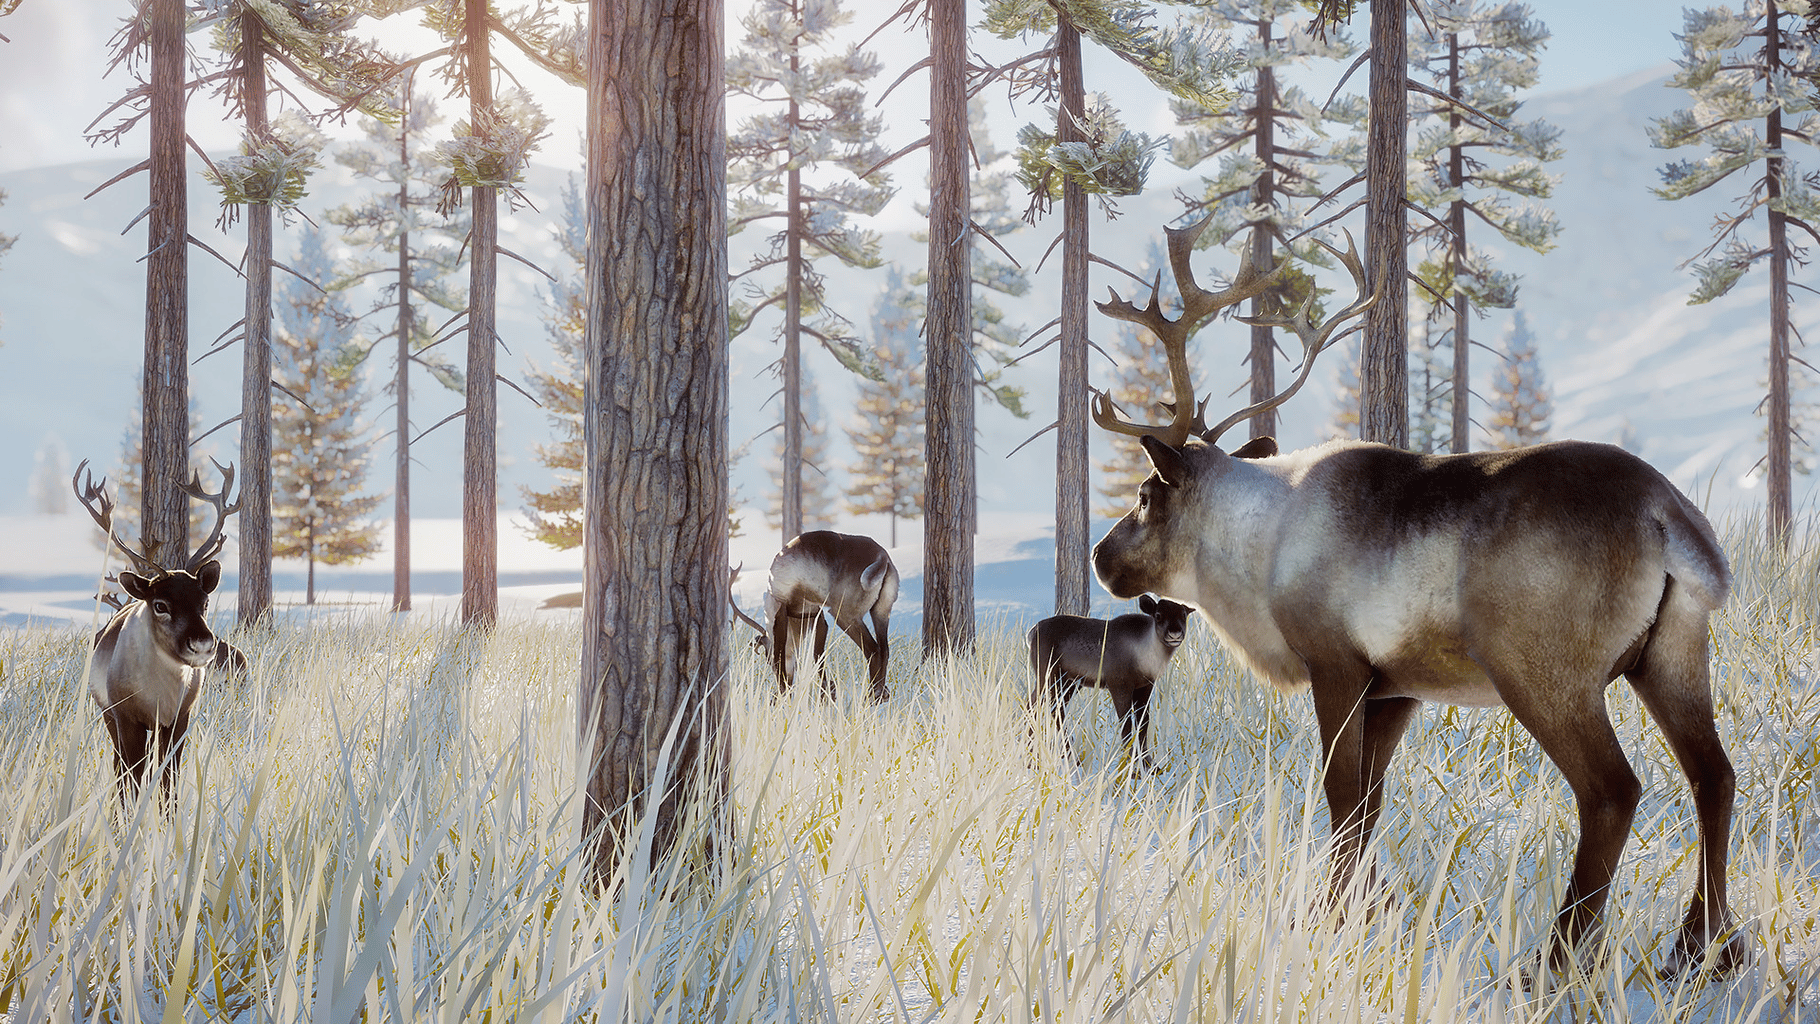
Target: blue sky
[(51, 83)]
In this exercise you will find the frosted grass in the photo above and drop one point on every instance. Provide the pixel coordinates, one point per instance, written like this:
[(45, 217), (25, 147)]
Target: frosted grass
[(378, 824)]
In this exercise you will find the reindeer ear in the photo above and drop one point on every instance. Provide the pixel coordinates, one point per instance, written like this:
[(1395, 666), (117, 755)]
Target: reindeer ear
[(1147, 604), (1257, 448), (136, 586), (209, 575), (1170, 466)]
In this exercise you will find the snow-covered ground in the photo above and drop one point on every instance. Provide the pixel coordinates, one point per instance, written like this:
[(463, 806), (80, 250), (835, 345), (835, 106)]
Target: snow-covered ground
[(49, 566)]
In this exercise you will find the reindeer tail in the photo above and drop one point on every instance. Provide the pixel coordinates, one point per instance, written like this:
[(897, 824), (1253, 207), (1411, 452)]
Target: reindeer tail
[(1692, 550)]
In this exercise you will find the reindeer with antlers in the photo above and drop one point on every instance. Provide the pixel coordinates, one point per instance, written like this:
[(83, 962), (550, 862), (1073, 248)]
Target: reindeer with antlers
[(1378, 578), (149, 659)]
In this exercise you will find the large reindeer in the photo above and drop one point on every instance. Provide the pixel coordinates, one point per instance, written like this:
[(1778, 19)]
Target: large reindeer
[(847, 576), (1378, 578), (149, 659)]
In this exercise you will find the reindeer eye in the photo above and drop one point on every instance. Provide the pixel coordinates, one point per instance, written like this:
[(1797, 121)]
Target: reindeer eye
[(161, 608)]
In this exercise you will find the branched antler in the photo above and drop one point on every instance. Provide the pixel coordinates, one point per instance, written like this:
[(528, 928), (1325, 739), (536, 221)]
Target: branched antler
[(1314, 338), (1188, 417), (747, 619), (93, 497), (217, 538)]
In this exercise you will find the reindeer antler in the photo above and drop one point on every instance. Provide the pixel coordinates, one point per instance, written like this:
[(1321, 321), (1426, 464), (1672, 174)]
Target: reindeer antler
[(93, 497), (747, 619), (217, 538), (1197, 305), (1314, 338)]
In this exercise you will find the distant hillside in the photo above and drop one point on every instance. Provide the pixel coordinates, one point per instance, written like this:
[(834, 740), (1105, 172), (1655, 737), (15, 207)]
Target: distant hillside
[(1620, 347)]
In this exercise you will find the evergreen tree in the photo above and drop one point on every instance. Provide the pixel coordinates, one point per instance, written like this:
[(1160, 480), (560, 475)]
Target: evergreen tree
[(812, 92), (555, 514), (1520, 403), (400, 218), (1085, 150), (817, 496), (886, 431), (319, 453), (654, 643), (995, 342), (1429, 376), (306, 40), (1268, 143), (1480, 55), (129, 496), (1346, 398), (487, 155), (1751, 75), (153, 45)]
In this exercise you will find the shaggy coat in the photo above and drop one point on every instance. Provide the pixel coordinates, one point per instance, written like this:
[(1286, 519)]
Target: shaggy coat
[(1530, 578)]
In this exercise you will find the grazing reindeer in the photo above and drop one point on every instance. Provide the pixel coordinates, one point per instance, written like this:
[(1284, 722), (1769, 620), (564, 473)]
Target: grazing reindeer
[(849, 577), (1378, 578), (1124, 656), (149, 659)]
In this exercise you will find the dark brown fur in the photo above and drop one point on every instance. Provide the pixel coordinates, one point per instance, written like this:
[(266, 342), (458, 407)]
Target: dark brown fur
[(1123, 656), (147, 671)]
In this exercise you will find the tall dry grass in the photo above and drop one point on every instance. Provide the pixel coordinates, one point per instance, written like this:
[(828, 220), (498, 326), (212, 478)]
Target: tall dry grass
[(378, 824)]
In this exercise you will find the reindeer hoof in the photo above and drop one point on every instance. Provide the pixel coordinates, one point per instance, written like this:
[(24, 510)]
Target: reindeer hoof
[(1695, 953), (881, 694)]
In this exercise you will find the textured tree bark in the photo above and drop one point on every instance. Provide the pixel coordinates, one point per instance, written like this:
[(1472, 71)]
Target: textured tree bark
[(1384, 356), (1781, 489), (1072, 571), (164, 512), (948, 496), (480, 482), (792, 468), (1460, 392), (1263, 357), (255, 543), (655, 403), (401, 384)]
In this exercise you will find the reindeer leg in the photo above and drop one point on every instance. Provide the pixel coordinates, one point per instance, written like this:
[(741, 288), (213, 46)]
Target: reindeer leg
[(168, 746), (1671, 679), (1568, 720), (821, 651), (1385, 722), (1132, 705), (1140, 718), (875, 664), (881, 634), (1339, 710), (783, 647), (129, 756)]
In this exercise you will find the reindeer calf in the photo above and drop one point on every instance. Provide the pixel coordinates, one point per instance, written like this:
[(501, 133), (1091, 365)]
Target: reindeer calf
[(1124, 656)]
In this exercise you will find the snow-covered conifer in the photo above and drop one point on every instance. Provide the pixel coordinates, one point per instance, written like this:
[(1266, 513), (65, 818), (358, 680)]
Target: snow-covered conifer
[(1752, 75), (1520, 402), (320, 450), (800, 160), (886, 430)]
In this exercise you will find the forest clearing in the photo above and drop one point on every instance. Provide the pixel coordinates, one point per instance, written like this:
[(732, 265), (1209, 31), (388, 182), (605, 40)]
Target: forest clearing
[(379, 824)]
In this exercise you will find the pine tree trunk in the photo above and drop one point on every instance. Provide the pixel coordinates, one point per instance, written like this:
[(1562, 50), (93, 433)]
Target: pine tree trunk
[(948, 509), (1781, 505), (654, 640), (309, 553), (1384, 355), (1460, 393), (401, 383), (1263, 357), (164, 509), (480, 485), (255, 599), (792, 480), (1072, 570)]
